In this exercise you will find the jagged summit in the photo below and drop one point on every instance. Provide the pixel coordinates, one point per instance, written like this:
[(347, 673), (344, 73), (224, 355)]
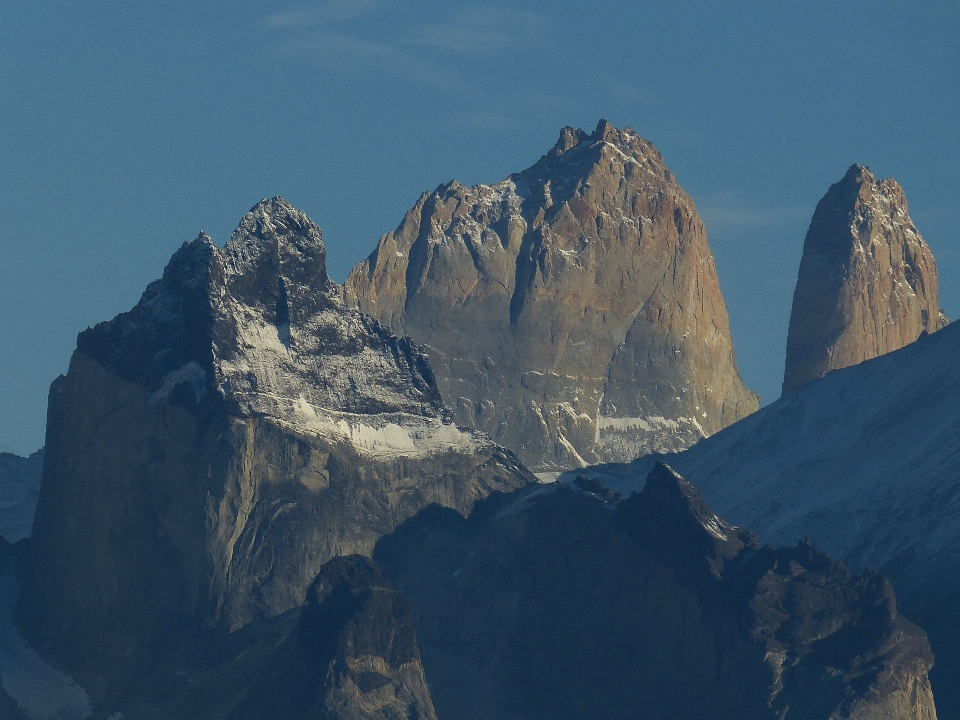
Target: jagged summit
[(566, 607), (260, 325), (867, 283), (210, 449), (572, 311), (571, 138), (292, 241)]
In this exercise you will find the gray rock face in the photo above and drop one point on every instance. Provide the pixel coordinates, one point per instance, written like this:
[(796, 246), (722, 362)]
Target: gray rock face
[(562, 605), (19, 491), (867, 282), (571, 311), (354, 655), (211, 449)]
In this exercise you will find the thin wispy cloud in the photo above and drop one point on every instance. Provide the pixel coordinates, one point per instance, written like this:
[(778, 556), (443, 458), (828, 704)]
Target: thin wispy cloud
[(332, 11), (483, 30), (731, 211), (375, 38), (348, 54)]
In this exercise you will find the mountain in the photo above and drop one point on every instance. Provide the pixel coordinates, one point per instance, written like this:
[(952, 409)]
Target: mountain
[(19, 491), (353, 656), (867, 283), (209, 450), (571, 311), (560, 604), (865, 463)]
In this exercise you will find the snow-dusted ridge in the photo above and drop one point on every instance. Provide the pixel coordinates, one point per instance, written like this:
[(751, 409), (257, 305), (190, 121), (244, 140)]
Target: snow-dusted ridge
[(282, 344), (865, 464)]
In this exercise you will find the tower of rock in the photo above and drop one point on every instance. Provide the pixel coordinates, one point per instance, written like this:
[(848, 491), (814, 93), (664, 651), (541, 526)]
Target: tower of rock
[(867, 283), (571, 311), (209, 450)]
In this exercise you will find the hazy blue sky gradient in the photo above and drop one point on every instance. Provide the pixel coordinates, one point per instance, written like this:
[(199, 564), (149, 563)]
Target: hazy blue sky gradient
[(126, 128)]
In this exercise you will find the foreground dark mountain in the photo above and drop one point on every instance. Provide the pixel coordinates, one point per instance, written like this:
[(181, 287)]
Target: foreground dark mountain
[(562, 605), (571, 311), (352, 656), (867, 282), (866, 464), (210, 449)]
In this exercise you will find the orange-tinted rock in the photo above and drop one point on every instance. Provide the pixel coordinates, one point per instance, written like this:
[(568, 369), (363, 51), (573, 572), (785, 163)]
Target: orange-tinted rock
[(867, 282), (571, 311)]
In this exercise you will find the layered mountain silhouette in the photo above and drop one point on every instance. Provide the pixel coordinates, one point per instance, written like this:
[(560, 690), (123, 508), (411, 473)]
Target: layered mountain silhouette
[(260, 501), (865, 463), (560, 604)]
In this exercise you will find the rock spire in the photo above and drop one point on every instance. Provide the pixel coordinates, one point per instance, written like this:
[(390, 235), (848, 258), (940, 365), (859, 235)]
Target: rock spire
[(571, 311), (867, 283)]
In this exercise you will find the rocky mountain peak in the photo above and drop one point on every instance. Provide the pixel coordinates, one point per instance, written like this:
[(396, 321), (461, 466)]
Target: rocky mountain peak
[(569, 138), (573, 137), (572, 310), (867, 283), (210, 449), (675, 521), (275, 234)]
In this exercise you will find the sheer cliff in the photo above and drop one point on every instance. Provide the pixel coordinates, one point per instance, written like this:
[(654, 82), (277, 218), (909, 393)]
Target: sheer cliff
[(867, 283), (571, 311), (210, 449)]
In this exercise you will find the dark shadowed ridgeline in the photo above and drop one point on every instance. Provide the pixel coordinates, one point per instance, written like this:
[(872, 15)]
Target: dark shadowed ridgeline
[(562, 605), (864, 462)]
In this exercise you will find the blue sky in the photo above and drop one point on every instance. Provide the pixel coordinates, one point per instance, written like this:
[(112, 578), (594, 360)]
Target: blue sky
[(126, 128)]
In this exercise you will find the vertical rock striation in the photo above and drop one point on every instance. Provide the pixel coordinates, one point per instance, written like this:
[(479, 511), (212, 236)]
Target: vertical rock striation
[(571, 311), (867, 283), (210, 449)]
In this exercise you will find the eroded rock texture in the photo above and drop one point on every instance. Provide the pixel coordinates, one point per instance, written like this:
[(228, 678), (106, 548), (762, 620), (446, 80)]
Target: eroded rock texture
[(353, 656), (210, 449), (562, 605), (867, 283), (571, 311)]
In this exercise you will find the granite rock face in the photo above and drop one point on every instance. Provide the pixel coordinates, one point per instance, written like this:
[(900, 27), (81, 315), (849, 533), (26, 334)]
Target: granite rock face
[(571, 311), (208, 451), (867, 283), (559, 604)]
